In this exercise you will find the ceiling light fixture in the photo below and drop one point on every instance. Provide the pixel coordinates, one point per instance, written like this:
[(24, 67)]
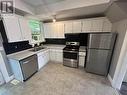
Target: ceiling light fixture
[(54, 18)]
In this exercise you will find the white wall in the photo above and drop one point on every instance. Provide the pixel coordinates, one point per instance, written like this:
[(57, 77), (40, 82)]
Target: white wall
[(125, 78), (1, 78), (5, 67), (120, 27)]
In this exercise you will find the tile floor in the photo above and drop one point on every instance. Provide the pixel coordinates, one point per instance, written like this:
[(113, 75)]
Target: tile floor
[(56, 79)]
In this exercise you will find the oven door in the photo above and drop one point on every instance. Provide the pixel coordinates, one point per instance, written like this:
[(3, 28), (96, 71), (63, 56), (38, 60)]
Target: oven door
[(70, 55), (70, 58)]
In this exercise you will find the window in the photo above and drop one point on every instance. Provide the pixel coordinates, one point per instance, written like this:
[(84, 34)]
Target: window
[(36, 30)]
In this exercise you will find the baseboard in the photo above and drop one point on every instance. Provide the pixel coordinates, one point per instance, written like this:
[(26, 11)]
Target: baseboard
[(10, 78), (110, 79)]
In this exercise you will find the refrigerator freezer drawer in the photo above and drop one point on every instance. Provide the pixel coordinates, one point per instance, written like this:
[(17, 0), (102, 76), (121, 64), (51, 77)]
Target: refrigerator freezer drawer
[(98, 61)]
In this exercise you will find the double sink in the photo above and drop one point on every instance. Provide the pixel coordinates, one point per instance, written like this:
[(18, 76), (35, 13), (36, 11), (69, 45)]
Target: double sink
[(37, 48)]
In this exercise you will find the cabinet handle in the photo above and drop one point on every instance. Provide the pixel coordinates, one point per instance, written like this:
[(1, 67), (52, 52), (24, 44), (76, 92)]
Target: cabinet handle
[(25, 62)]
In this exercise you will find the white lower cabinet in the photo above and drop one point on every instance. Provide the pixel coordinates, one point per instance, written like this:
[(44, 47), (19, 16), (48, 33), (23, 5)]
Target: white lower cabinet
[(52, 54), (82, 58), (56, 55), (40, 61), (59, 55), (43, 58)]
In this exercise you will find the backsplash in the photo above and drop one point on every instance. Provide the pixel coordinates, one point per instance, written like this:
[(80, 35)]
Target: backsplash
[(55, 41), (81, 37), (16, 46), (19, 46)]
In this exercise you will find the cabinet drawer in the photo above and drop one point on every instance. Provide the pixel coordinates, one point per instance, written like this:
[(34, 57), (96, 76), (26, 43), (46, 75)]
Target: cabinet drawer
[(82, 53), (82, 61)]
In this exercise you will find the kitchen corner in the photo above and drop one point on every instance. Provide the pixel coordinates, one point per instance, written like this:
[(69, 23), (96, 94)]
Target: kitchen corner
[(42, 57)]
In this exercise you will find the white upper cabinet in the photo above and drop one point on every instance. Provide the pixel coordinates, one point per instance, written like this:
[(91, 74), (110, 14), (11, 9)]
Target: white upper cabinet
[(101, 24), (107, 25), (50, 30), (68, 27), (97, 25), (54, 30), (60, 29), (77, 26), (47, 30), (25, 29), (86, 25), (12, 28)]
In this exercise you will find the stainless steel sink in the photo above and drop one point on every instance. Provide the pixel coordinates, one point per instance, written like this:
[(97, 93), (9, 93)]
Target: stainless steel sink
[(37, 49)]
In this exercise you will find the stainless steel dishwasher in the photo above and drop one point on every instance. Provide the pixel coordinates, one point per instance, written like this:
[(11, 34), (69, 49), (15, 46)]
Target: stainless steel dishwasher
[(29, 66)]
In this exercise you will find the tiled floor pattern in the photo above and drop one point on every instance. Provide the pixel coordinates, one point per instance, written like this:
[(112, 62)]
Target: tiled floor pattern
[(56, 79)]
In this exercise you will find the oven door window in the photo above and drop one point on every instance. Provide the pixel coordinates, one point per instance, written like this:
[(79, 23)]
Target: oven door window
[(70, 55)]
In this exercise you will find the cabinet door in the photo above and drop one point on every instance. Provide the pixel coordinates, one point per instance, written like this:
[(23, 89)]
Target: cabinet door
[(53, 30), (77, 26), (12, 29), (46, 56), (68, 27), (81, 61), (107, 25), (60, 30), (59, 55), (25, 29), (42, 32), (41, 61), (86, 25), (52, 54), (47, 30), (97, 25)]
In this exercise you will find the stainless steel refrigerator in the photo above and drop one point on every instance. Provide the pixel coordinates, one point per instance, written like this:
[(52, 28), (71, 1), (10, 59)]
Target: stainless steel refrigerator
[(99, 52)]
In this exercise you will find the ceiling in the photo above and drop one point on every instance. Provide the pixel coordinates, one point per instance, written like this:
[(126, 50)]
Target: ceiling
[(36, 3), (46, 9)]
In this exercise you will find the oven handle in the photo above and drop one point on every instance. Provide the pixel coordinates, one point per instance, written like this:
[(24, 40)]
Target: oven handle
[(70, 51)]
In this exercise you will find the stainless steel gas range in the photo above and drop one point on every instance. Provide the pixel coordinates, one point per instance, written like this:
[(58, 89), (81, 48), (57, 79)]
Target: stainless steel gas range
[(70, 54)]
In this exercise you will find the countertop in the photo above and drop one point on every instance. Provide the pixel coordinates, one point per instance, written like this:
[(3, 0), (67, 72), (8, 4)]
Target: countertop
[(26, 53), (82, 49)]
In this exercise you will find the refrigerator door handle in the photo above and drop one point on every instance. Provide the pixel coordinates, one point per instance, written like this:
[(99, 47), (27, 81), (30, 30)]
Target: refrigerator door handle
[(88, 57), (90, 40)]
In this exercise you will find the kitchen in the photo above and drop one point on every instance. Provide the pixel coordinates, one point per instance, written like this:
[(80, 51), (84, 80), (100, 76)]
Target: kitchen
[(69, 49)]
